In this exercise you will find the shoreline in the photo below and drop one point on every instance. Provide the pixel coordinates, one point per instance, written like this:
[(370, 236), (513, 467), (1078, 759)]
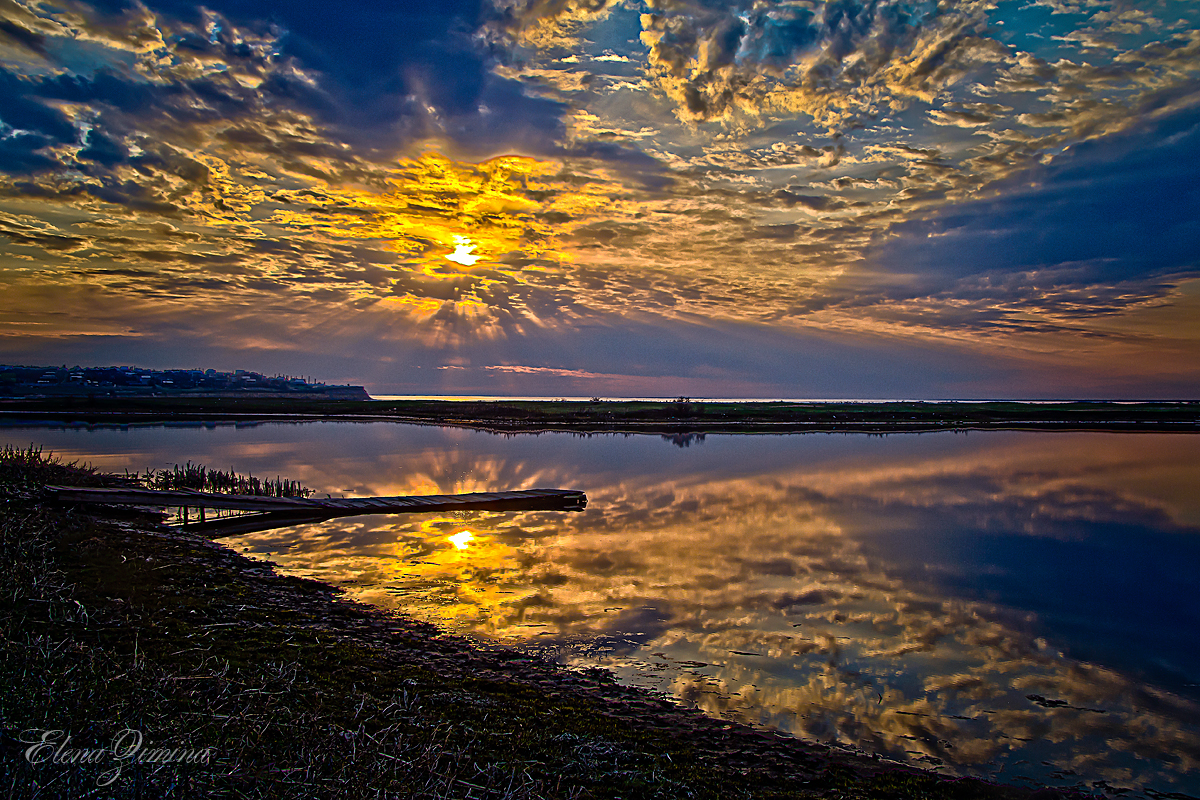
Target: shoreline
[(668, 418), (130, 624)]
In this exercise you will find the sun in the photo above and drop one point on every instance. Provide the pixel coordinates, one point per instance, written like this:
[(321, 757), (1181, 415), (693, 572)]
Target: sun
[(464, 252), (461, 539)]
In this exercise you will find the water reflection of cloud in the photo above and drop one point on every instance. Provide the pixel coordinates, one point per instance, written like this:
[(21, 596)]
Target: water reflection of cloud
[(755, 569), (765, 580)]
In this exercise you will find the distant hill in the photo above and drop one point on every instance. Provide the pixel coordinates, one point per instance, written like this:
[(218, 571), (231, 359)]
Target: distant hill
[(34, 381)]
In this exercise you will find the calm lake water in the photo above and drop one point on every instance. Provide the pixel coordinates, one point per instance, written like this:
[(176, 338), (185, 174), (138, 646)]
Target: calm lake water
[(1013, 605)]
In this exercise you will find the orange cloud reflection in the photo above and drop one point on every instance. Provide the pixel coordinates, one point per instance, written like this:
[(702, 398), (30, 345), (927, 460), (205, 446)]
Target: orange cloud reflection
[(750, 594)]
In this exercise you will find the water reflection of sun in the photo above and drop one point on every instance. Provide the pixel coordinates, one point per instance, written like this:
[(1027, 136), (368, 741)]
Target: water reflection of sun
[(461, 539), (479, 577)]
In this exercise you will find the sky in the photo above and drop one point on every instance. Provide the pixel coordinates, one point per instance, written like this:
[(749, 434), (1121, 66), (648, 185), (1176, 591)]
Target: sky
[(778, 198)]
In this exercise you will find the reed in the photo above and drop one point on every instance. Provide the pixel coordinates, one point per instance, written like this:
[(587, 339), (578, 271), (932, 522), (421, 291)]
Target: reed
[(204, 479), (23, 471)]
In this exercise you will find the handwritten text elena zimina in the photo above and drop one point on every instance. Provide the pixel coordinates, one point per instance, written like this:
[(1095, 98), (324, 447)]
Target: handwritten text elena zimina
[(128, 746)]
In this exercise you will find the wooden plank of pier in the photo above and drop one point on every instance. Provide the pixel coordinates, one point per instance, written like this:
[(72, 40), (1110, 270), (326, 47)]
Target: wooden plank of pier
[(326, 508)]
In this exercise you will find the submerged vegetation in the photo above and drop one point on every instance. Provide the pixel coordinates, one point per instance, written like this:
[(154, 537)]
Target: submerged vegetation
[(116, 631)]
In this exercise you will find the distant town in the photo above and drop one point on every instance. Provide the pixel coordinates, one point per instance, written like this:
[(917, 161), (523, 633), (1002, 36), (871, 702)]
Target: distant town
[(30, 382)]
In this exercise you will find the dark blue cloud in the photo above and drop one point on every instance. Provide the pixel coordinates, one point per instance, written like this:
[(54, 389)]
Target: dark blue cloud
[(20, 153), (380, 64), (23, 112), (102, 87), (386, 73), (118, 106), (103, 149), (775, 38), (1120, 208), (506, 120), (631, 163), (34, 41)]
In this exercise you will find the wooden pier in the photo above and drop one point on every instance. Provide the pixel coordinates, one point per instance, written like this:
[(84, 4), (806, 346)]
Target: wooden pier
[(275, 512)]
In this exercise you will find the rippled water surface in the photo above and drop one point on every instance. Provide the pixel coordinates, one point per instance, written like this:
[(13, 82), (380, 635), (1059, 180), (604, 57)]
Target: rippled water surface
[(1022, 606)]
